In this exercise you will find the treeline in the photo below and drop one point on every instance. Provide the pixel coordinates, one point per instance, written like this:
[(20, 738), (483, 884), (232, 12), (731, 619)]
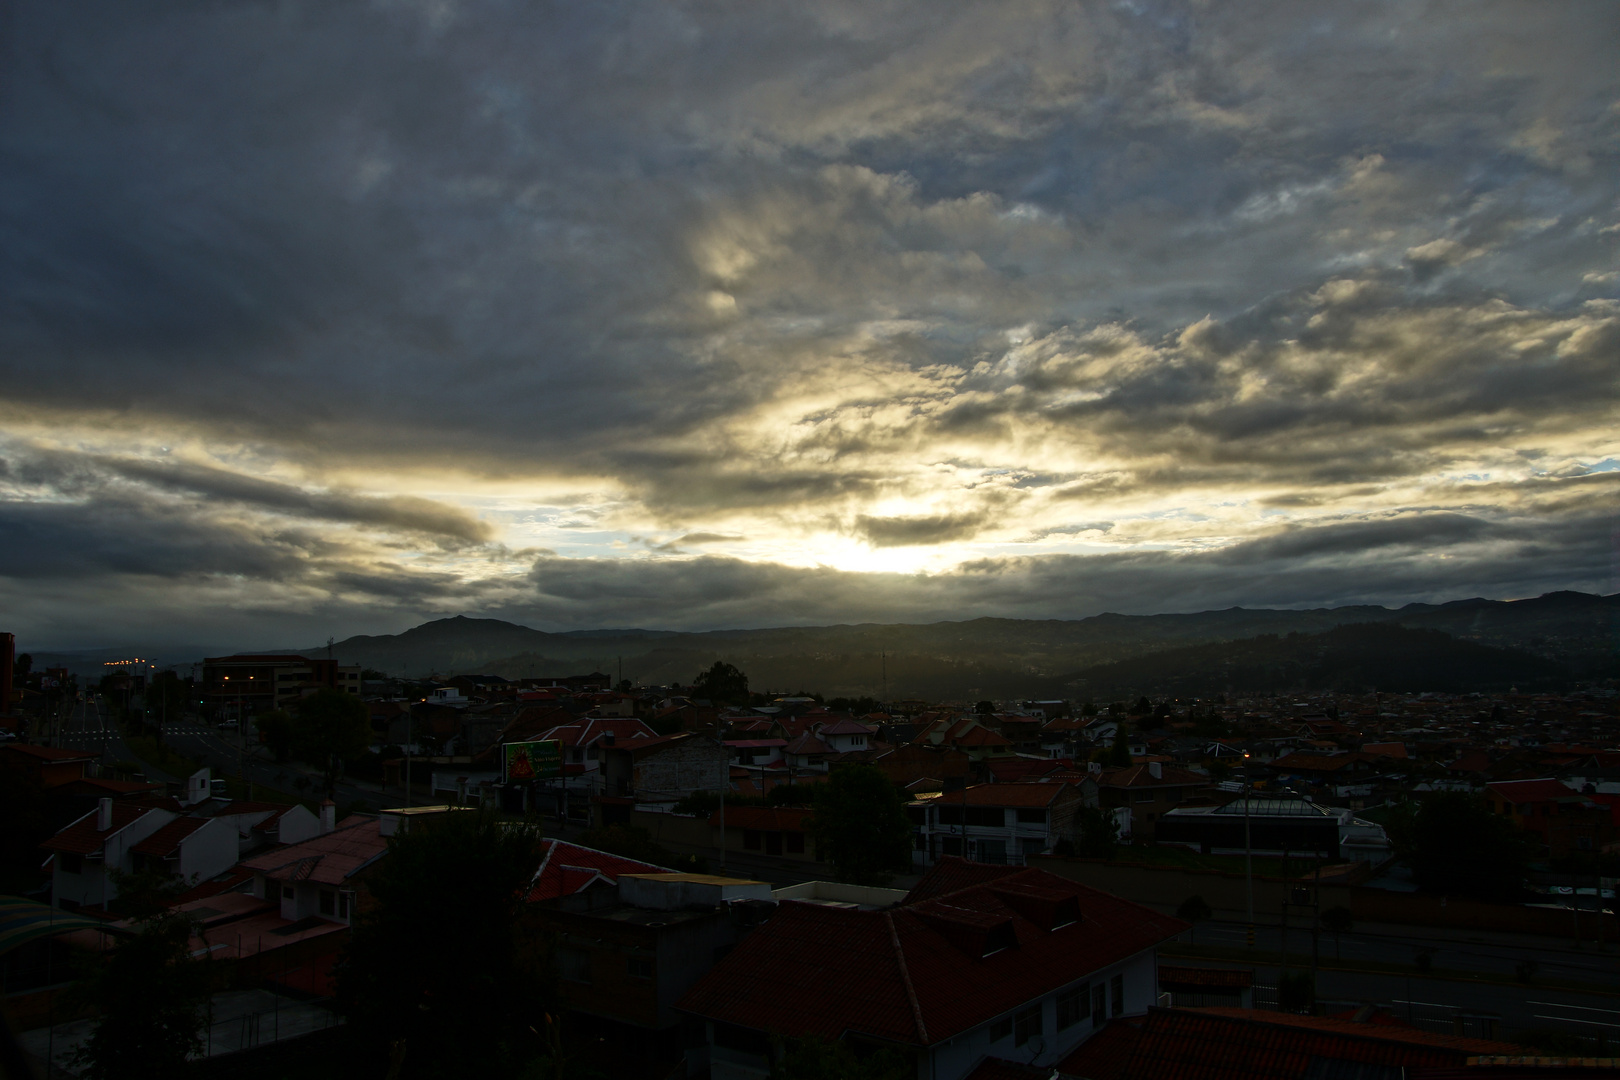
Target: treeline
[(1381, 656)]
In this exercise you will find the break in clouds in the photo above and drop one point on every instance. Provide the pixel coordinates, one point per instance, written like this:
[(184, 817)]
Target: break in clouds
[(327, 318)]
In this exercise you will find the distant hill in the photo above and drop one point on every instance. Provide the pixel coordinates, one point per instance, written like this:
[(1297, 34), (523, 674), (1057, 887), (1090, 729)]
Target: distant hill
[(1357, 658), (986, 657)]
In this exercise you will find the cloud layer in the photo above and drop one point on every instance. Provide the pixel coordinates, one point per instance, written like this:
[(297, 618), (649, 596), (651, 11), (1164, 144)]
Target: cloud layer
[(330, 317)]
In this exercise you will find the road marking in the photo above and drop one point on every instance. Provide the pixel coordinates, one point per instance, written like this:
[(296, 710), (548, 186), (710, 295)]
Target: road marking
[(1576, 1020), (1583, 1008)]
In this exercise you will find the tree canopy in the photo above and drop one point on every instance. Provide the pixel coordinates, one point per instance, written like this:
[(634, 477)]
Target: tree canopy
[(723, 683), (1456, 845), (860, 825), (149, 991), (331, 726), (439, 968)]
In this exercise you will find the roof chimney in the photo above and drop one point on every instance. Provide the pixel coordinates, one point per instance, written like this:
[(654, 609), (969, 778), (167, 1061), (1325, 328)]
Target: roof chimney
[(328, 816), (1156, 770), (104, 815)]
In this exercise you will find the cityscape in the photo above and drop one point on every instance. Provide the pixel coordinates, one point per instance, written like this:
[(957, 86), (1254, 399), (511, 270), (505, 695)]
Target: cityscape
[(1046, 540)]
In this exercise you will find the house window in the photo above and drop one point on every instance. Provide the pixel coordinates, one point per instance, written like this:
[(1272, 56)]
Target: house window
[(286, 892), (752, 839), (328, 902), (639, 967), (950, 845), (1144, 796), (1032, 817), (70, 862), (1026, 1025), (1118, 988), (344, 900), (795, 843), (1071, 1006), (1099, 1005), (1001, 1029), (574, 965), (993, 852)]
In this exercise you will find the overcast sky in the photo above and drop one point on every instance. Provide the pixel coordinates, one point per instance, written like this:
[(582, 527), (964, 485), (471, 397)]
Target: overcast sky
[(328, 318)]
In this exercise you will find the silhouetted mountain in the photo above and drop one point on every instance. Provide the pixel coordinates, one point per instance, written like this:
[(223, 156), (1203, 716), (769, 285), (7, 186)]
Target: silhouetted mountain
[(1368, 656), (986, 657)]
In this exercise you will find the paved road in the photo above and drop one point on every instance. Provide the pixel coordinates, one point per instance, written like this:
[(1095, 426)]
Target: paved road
[(90, 726), (1426, 1001), (1497, 954)]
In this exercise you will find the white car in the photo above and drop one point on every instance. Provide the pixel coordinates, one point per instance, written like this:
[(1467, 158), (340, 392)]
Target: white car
[(227, 725)]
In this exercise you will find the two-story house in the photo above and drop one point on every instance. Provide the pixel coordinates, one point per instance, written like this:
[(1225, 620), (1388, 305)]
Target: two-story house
[(1149, 790), (978, 964), (997, 824), (102, 840)]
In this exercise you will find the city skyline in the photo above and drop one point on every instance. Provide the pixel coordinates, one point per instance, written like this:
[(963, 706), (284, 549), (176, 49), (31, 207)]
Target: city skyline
[(333, 319)]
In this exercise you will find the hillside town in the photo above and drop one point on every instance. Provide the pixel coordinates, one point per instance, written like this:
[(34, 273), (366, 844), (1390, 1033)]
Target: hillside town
[(1033, 908)]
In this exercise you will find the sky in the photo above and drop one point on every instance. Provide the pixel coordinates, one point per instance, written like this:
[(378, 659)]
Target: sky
[(334, 317)]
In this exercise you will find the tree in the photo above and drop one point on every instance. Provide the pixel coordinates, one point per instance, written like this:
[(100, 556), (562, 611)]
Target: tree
[(985, 708), (1336, 921), (1119, 754), (438, 969), (1194, 910), (22, 665), (1456, 845), (276, 729), (331, 727), (150, 991), (860, 825), (1099, 832), (722, 684), (814, 1058)]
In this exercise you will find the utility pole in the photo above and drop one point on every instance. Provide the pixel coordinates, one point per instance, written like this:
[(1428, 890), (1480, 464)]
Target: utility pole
[(1248, 851)]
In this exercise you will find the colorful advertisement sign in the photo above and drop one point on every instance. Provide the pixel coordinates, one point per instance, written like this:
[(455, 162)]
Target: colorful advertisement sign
[(521, 761)]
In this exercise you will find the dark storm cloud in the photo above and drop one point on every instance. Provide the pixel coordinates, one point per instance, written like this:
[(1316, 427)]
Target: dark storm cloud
[(736, 269), (931, 529), (404, 513)]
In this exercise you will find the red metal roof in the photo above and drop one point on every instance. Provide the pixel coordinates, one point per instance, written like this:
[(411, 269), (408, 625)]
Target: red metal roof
[(330, 859), (1205, 1044), (82, 837), (166, 841), (567, 868), (905, 974)]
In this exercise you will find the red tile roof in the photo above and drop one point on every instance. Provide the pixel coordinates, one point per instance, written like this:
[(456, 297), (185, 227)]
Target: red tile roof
[(1104, 1055), (1523, 791), (912, 974), (330, 859), (1003, 795), (166, 841), (1141, 776), (82, 837), (1249, 1044), (844, 726), (567, 868), (588, 730)]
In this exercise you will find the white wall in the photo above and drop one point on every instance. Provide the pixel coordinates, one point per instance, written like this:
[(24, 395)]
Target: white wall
[(209, 851), (91, 885)]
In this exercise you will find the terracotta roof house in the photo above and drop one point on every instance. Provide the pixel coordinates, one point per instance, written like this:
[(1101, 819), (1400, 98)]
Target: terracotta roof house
[(319, 877), (1562, 818), (1149, 790), (997, 824), (581, 740), (101, 840), (977, 962), (778, 831), (48, 765), (193, 849), (566, 869)]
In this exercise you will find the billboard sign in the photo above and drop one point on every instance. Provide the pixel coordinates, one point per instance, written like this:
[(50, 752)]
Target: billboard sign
[(521, 761)]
